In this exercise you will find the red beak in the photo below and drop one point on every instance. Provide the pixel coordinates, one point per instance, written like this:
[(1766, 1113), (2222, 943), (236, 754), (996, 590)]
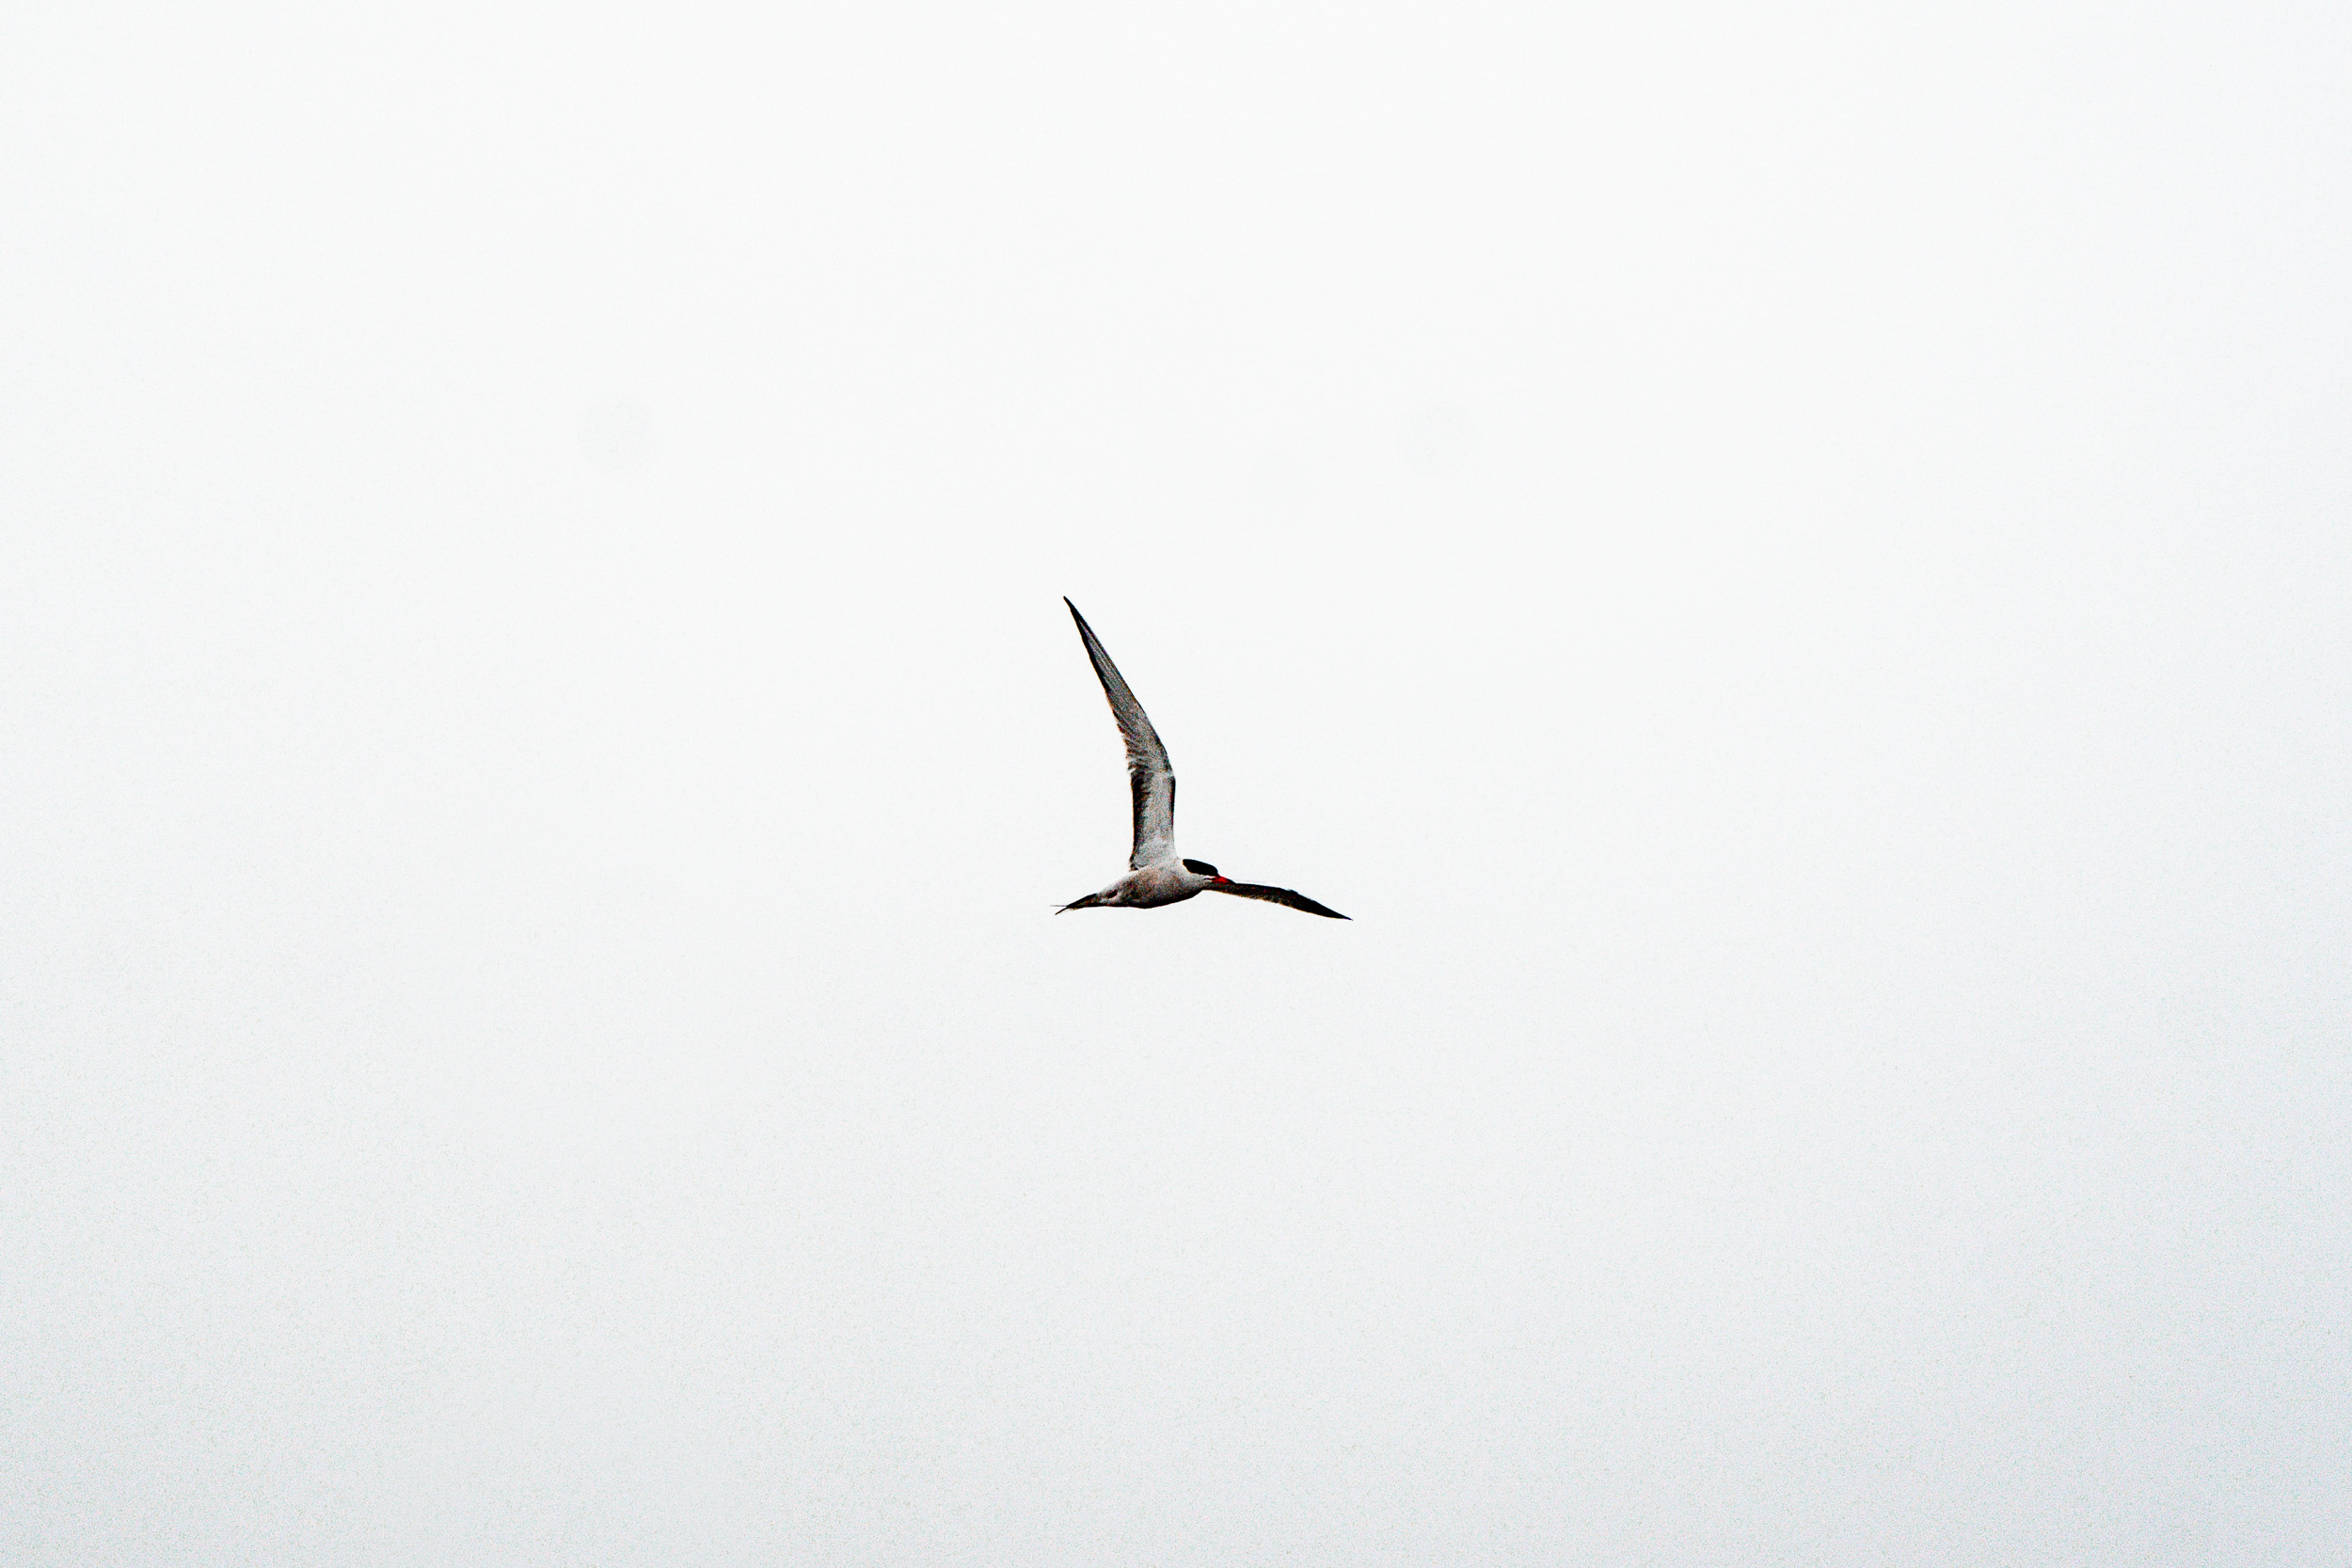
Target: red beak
[(1214, 882)]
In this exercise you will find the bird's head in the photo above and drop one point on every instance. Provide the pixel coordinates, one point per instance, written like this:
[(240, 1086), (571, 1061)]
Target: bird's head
[(1203, 868)]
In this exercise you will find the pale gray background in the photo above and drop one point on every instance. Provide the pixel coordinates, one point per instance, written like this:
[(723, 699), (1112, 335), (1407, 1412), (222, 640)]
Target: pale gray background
[(1788, 566)]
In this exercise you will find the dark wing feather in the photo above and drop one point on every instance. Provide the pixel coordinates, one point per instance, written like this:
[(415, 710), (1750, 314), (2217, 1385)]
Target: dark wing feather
[(1275, 895), (1149, 777)]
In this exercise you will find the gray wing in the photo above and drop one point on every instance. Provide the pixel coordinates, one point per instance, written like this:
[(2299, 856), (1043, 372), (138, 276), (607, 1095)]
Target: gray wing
[(1149, 777), (1275, 895)]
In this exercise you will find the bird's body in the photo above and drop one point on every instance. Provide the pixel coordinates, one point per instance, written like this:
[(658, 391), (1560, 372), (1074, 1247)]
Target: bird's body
[(1155, 876), (1149, 887)]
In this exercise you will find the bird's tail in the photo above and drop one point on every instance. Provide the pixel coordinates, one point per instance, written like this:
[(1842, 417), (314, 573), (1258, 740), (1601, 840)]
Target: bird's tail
[(1088, 902)]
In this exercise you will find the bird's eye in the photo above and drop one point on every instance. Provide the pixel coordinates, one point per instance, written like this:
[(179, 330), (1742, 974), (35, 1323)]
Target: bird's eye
[(1200, 868)]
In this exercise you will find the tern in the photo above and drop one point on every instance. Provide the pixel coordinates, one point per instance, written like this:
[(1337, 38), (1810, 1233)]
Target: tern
[(1154, 874)]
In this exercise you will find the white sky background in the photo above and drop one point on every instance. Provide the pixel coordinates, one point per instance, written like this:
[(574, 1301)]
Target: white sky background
[(1789, 570)]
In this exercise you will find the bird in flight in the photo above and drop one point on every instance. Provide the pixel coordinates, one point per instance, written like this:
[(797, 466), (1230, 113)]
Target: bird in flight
[(1154, 874)]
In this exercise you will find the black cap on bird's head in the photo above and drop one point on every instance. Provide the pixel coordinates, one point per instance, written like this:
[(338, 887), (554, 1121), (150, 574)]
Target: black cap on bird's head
[(1203, 868)]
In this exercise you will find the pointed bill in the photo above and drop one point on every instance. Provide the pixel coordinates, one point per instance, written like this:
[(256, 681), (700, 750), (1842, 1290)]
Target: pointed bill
[(1149, 777)]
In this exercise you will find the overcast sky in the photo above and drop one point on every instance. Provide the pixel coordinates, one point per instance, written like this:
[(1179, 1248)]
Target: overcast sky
[(1788, 567)]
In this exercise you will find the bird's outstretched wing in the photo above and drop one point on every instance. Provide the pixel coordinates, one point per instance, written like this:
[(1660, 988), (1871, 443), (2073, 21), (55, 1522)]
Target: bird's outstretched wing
[(1149, 776), (1275, 895)]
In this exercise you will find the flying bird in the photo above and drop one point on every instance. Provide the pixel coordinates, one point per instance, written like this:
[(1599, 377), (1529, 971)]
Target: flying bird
[(1154, 874)]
